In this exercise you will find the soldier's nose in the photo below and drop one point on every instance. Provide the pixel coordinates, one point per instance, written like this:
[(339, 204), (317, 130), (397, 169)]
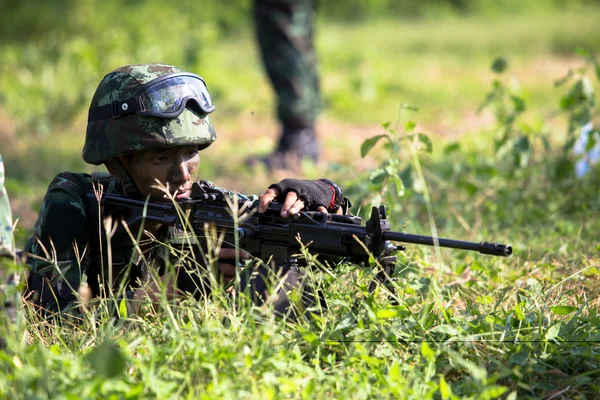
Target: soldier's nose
[(181, 174)]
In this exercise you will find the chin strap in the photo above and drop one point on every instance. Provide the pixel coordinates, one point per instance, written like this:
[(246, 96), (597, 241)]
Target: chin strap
[(129, 187)]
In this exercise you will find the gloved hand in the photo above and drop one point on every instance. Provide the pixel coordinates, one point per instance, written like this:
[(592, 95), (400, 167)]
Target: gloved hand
[(314, 193), (296, 195)]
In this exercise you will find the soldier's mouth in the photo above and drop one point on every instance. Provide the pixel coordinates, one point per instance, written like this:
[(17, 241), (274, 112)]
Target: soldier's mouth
[(180, 195)]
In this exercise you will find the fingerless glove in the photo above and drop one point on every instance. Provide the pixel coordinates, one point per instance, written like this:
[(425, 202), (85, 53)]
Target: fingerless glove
[(315, 193)]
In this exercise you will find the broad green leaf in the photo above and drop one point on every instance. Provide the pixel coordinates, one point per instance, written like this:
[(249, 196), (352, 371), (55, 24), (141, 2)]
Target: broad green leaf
[(494, 320), (447, 329), (582, 116), (445, 389), (518, 103), (310, 388), (451, 148), (499, 65), (566, 102), (427, 352), (410, 126), (395, 372), (407, 176), (106, 360), (592, 140), (408, 107), (469, 187), (477, 372), (519, 312), (552, 332), (400, 189), (386, 125), (368, 144), (123, 308), (564, 79), (386, 313), (519, 357), (493, 392), (346, 322), (377, 176), (423, 138), (55, 350), (563, 310), (582, 90), (522, 144)]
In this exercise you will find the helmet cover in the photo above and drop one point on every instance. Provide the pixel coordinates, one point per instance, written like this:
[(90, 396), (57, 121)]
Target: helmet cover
[(108, 138)]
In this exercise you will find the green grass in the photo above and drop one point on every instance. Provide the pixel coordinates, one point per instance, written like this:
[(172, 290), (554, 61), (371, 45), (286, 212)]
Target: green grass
[(466, 326)]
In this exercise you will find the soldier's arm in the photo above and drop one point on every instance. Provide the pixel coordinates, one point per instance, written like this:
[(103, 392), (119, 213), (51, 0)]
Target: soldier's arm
[(57, 255)]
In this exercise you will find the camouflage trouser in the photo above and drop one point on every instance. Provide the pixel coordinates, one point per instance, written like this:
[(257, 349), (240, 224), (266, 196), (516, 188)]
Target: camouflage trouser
[(284, 30), (6, 234)]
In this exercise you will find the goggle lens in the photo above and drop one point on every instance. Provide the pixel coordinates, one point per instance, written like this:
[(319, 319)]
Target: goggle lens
[(170, 96), (164, 97)]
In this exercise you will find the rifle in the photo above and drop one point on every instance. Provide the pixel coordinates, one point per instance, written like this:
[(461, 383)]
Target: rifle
[(269, 237)]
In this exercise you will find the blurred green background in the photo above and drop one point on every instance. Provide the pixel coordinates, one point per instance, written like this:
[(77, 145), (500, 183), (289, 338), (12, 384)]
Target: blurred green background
[(503, 172), (374, 56)]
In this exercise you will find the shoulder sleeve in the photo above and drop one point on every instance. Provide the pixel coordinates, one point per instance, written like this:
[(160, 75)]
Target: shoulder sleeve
[(60, 240)]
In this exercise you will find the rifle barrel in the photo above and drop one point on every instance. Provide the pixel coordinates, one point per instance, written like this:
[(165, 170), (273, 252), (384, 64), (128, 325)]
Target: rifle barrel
[(494, 249)]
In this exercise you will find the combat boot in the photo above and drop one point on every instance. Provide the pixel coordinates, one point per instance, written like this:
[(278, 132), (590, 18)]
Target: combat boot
[(294, 146)]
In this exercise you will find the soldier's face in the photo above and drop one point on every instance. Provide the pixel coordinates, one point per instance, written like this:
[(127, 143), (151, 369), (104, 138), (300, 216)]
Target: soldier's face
[(173, 168)]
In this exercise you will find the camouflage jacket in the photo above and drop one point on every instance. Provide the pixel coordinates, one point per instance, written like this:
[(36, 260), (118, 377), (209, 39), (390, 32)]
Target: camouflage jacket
[(64, 249), (6, 234)]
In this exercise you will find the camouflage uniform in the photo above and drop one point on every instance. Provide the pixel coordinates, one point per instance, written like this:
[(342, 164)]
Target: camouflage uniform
[(6, 234), (285, 31), (8, 292), (65, 249)]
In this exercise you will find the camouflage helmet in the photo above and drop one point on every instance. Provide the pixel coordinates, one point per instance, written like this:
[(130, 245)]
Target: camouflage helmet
[(111, 137)]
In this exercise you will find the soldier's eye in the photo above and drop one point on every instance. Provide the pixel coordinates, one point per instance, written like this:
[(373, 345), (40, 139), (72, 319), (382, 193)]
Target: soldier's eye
[(191, 153), (160, 159)]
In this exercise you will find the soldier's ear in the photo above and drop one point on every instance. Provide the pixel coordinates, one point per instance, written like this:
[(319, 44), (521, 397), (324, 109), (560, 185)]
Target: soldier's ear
[(118, 166), (114, 167)]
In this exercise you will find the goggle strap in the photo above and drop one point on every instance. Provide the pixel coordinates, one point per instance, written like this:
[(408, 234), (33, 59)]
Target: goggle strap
[(115, 109)]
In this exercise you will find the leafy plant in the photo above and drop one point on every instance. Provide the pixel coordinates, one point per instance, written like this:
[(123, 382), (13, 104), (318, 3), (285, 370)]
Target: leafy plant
[(515, 136), (394, 175), (579, 101)]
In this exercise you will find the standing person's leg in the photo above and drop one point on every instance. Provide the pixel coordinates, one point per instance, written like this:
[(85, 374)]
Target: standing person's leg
[(285, 33)]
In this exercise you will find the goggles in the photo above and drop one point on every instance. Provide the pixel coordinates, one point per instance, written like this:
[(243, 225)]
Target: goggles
[(164, 97)]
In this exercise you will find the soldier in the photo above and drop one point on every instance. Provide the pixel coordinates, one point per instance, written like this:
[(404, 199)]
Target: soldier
[(285, 31), (146, 124)]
